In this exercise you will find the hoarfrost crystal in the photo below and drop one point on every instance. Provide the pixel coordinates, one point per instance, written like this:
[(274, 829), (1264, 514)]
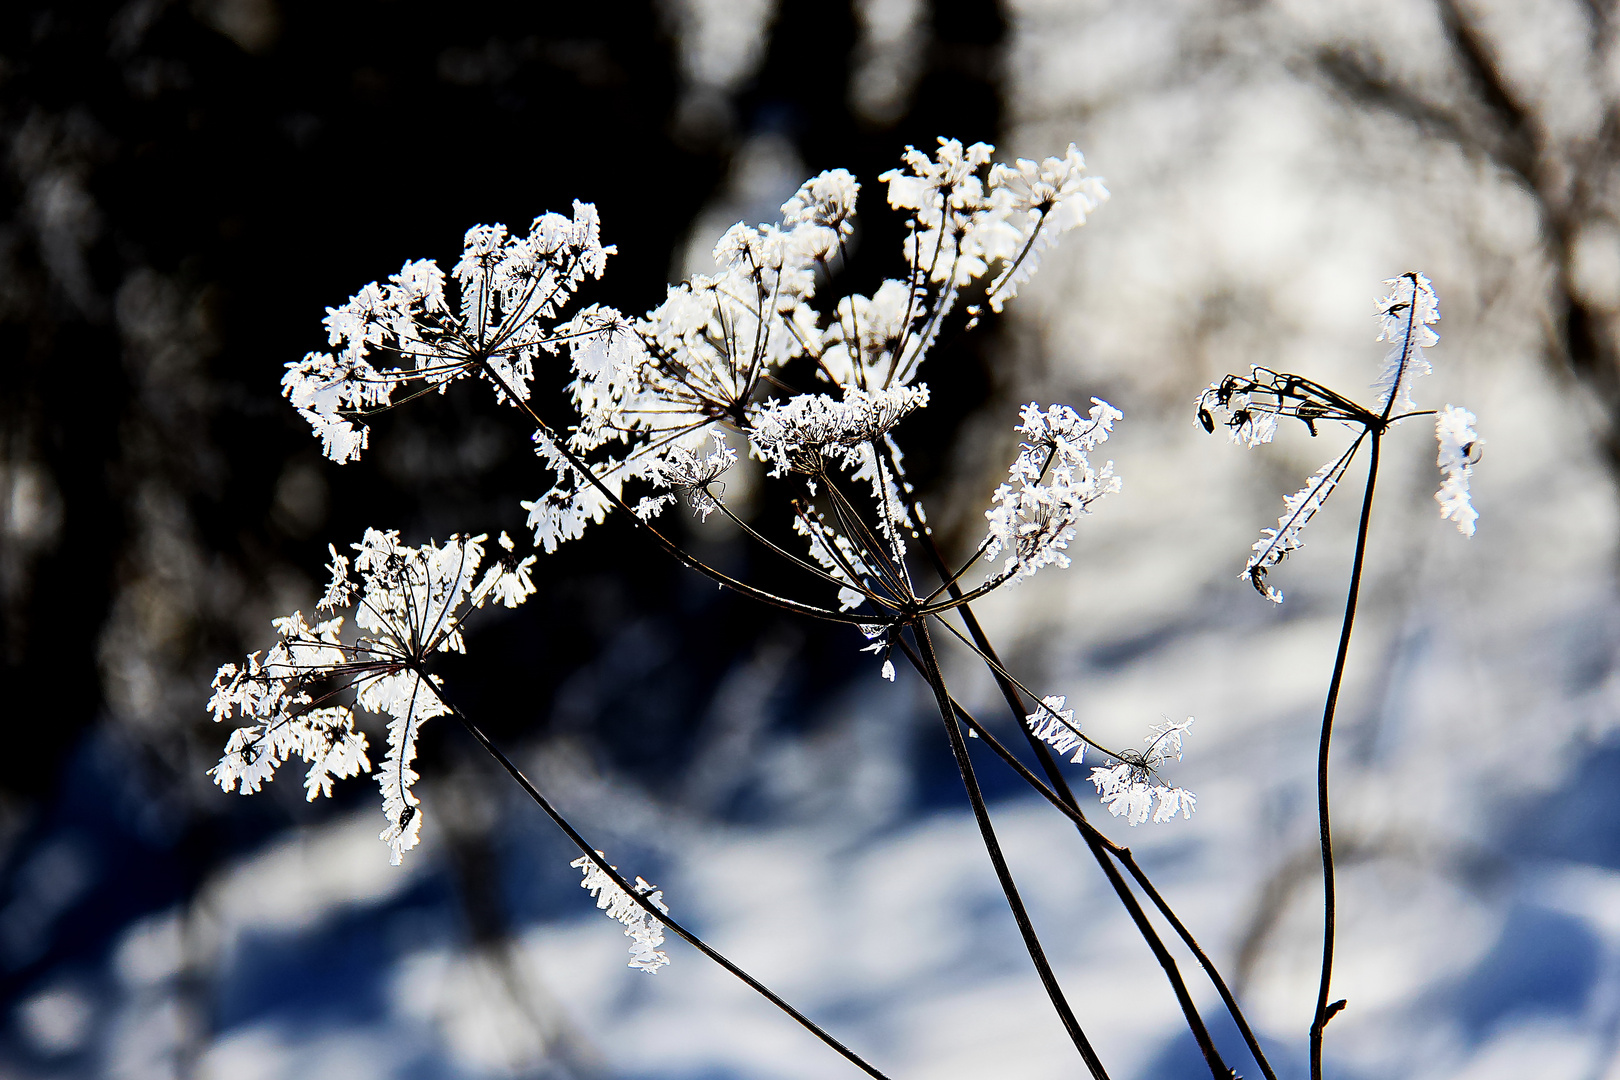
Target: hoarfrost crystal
[(1054, 725), (645, 932), (1404, 318), (510, 290), (1049, 486), (1454, 430)]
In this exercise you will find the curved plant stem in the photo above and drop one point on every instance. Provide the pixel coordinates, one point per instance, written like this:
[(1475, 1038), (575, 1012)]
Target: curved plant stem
[(645, 904), (1325, 1011), (981, 813)]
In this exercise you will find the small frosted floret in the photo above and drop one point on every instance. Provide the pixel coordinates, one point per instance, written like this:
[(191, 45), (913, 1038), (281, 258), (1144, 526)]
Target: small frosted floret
[(692, 472), (1049, 486), (1459, 448), (645, 932), (1130, 788), (408, 603), (799, 435), (1041, 200)]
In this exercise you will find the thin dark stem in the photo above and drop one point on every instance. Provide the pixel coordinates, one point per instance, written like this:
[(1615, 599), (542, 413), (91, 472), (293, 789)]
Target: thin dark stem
[(981, 814), (1098, 843), (1195, 1022), (1324, 1011), (645, 904)]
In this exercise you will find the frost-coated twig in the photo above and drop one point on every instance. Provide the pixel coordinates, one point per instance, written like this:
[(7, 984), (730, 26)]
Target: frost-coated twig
[(1325, 1011), (646, 904), (981, 814)]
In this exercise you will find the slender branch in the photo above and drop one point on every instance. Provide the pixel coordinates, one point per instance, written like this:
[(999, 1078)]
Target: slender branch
[(981, 814), (645, 904), (1324, 1011)]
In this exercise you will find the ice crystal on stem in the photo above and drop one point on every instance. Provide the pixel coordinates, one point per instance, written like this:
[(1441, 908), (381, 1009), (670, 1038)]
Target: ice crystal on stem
[(644, 931), (1249, 406), (1277, 544), (1055, 726), (1130, 787), (409, 603), (1459, 445), (1404, 318)]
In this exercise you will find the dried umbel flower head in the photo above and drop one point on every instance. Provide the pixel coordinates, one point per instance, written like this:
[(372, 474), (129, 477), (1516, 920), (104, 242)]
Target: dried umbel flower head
[(408, 604), (1249, 406)]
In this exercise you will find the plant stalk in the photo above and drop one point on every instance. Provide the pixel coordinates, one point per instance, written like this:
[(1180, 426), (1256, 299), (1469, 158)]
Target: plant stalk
[(981, 813), (1324, 1011)]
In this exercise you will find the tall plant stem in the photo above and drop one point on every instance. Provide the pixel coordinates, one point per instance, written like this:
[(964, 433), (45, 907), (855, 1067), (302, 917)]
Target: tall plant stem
[(981, 813), (1324, 1011), (646, 905), (1101, 848)]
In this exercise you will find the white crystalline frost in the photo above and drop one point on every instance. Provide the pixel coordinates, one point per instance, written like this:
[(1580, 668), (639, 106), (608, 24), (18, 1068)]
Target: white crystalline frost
[(1055, 726), (645, 932), (1049, 486), (1454, 430), (509, 292), (1129, 788), (1404, 320)]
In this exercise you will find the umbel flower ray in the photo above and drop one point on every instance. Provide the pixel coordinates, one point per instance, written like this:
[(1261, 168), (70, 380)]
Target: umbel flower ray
[(407, 603), (1248, 406)]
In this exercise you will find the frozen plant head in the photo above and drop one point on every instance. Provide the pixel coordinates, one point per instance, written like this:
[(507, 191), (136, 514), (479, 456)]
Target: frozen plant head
[(408, 604), (1249, 406), (411, 333), (1050, 485), (1130, 787)]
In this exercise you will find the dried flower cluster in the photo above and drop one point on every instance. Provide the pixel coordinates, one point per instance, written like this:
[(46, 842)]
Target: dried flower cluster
[(1248, 406), (408, 603)]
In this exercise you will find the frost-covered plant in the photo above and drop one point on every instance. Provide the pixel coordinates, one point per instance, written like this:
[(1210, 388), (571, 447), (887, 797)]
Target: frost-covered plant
[(1130, 787), (643, 929), (1249, 407), (763, 355), (407, 603)]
